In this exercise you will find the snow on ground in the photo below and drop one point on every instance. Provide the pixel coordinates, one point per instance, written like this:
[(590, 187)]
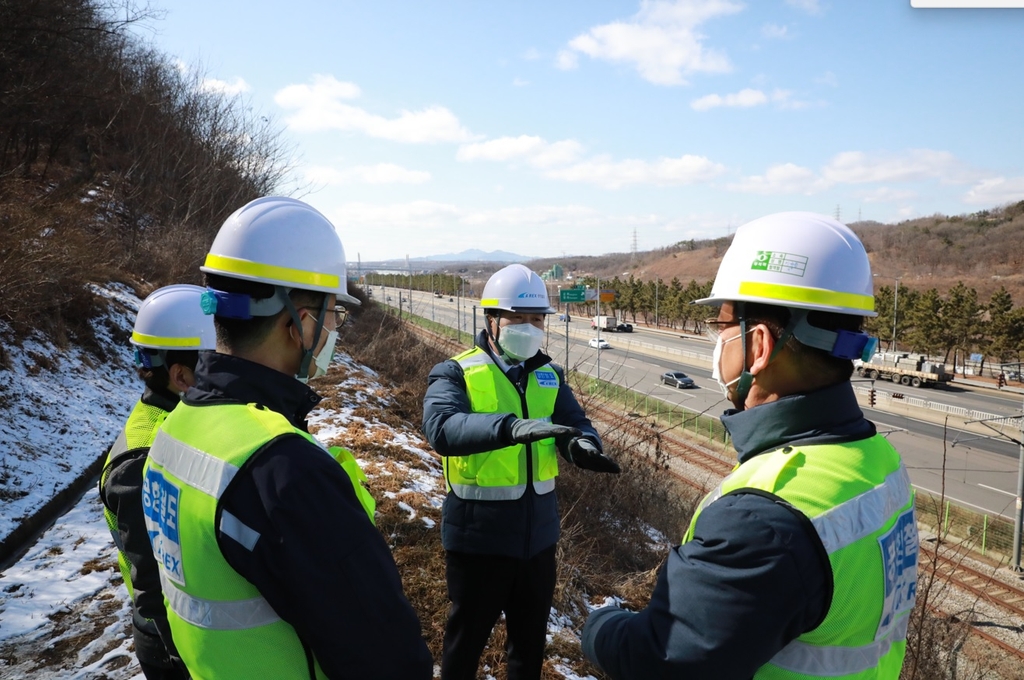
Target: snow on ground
[(63, 605), (61, 409)]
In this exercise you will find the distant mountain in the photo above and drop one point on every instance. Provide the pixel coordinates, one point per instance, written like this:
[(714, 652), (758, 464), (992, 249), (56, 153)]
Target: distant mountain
[(476, 255)]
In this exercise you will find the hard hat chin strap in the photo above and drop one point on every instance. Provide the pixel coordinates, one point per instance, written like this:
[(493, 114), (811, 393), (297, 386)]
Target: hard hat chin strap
[(746, 379), (307, 353)]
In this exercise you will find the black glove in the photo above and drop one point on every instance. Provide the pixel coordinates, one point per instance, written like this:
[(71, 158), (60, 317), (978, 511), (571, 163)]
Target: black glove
[(526, 430), (585, 454)]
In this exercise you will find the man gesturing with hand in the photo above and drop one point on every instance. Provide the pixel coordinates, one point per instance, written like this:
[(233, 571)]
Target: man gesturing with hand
[(499, 415)]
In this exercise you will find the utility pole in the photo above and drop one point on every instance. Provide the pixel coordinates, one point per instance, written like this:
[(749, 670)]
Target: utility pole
[(598, 328), (895, 303), (566, 365), (656, 324), (1018, 520)]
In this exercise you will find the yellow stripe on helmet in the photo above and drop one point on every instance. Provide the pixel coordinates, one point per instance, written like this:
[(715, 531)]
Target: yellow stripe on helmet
[(295, 277), (143, 339), (489, 302), (815, 296)]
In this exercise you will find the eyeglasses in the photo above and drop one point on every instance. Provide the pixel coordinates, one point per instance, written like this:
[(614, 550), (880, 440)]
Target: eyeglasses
[(713, 328), (340, 315)]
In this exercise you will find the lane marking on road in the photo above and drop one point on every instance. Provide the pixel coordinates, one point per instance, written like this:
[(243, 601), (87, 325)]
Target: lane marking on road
[(992, 488), (938, 494)]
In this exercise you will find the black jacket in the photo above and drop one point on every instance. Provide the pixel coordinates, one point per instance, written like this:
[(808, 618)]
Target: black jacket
[(121, 493), (322, 566), (520, 528), (754, 577)]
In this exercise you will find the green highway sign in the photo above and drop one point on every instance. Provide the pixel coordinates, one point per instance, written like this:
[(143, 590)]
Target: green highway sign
[(572, 295)]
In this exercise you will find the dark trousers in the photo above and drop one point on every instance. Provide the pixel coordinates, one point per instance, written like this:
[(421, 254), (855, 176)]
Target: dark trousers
[(480, 588), (155, 662)]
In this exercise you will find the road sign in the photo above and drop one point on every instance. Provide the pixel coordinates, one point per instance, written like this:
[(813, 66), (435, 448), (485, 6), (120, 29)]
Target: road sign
[(572, 295)]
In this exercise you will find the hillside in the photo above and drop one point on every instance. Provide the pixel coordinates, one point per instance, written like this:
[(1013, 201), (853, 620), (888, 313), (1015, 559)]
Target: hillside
[(984, 250)]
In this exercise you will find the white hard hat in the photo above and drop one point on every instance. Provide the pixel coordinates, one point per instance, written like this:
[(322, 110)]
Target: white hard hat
[(516, 288), (796, 259), (282, 242), (172, 318)]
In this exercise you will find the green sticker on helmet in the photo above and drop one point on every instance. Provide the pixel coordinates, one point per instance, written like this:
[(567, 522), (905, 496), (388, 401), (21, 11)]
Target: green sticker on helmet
[(784, 263)]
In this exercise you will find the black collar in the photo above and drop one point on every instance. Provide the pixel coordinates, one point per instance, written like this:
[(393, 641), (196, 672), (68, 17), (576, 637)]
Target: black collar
[(222, 378), (826, 416), (165, 400)]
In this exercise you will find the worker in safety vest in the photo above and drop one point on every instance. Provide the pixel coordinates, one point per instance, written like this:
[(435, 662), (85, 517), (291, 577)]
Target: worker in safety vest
[(170, 330), (499, 414), (271, 565), (803, 562)]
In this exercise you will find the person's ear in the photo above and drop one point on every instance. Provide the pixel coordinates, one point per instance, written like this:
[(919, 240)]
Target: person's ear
[(181, 377), (762, 343), (294, 330)]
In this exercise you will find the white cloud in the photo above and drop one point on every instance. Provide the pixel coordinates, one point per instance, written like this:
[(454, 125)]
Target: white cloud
[(604, 172), (419, 214), (533, 150), (827, 78), (317, 107), (519, 82), (432, 214), (380, 173), (660, 41), (743, 99), (784, 100), (887, 195), (786, 178), (996, 191), (775, 32), (857, 167), (809, 6), (567, 60), (224, 87), (531, 54), (747, 98)]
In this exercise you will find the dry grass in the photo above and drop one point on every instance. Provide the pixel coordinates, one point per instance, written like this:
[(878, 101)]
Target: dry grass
[(607, 520)]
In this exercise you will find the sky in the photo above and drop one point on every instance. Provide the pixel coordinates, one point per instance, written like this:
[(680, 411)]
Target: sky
[(583, 127)]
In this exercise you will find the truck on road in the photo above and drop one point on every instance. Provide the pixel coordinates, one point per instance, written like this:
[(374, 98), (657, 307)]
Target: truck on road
[(610, 323), (914, 370)]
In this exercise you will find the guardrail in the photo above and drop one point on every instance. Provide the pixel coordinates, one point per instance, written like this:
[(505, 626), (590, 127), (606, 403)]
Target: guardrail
[(1014, 422)]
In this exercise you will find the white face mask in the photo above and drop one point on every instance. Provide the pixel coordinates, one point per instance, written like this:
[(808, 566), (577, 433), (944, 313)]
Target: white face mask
[(716, 360), (323, 358), (520, 341)]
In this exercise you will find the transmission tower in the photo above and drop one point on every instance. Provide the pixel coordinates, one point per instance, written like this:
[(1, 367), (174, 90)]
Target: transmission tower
[(837, 213), (632, 250)]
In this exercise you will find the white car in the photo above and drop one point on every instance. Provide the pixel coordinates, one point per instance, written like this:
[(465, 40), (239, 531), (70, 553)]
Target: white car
[(599, 343)]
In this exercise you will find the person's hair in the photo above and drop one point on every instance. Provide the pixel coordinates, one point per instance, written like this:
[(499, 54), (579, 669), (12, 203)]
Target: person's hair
[(240, 335), (157, 377), (811, 359)]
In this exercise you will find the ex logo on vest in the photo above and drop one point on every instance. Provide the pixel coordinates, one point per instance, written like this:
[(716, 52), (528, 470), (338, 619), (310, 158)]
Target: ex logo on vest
[(160, 505)]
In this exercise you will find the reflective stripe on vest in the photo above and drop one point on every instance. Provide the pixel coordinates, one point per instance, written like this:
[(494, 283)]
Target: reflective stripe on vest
[(221, 624), (500, 475), (138, 433), (860, 502), (216, 615)]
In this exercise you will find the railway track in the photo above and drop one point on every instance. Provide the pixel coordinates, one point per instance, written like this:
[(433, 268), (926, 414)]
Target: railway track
[(965, 578)]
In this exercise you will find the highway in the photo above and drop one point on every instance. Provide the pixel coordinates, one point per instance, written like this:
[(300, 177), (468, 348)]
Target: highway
[(980, 473)]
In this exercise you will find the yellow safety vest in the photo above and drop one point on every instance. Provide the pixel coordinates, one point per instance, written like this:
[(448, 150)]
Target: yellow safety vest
[(222, 626), (502, 474), (859, 498), (139, 431)]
